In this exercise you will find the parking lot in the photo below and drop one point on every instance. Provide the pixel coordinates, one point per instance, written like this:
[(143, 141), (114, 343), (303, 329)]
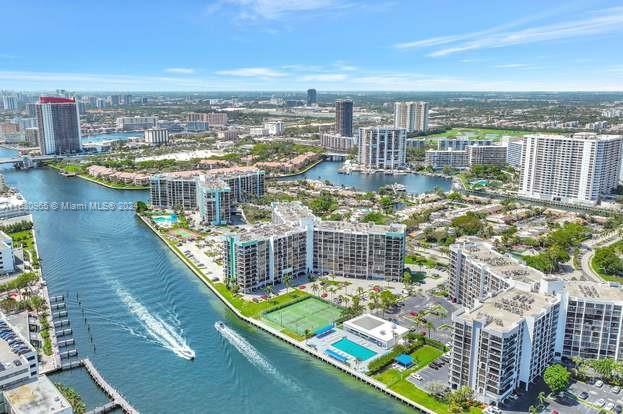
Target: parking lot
[(567, 403), (417, 303)]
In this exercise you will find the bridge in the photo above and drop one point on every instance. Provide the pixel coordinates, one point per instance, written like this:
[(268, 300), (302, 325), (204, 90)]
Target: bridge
[(26, 161)]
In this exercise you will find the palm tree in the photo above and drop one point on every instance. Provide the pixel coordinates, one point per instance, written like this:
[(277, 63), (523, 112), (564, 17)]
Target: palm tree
[(339, 299), (315, 288), (533, 410), (268, 290), (541, 397), (287, 281), (346, 299)]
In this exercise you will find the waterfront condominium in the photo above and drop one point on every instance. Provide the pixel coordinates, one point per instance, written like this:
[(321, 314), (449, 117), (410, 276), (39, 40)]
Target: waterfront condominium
[(297, 243), (487, 155), (221, 189), (460, 143), (382, 148), (503, 343), (59, 125), (344, 117), (412, 116), (213, 200), (515, 321), (580, 168), (335, 142)]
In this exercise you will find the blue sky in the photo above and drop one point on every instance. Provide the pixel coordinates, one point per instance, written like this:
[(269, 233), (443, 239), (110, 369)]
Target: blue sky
[(332, 45)]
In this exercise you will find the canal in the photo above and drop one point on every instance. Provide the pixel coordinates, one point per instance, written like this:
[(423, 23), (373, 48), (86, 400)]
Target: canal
[(143, 307)]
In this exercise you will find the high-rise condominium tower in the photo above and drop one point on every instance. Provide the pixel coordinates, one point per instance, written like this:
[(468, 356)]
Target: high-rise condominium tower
[(344, 117), (412, 116), (578, 168), (59, 125)]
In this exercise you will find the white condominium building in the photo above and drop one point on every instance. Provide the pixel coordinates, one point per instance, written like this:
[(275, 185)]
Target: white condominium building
[(7, 262), (438, 159), (412, 116), (513, 153), (503, 343), (133, 123), (516, 320), (157, 136), (334, 142), (274, 128), (298, 243), (573, 169), (487, 155), (382, 148)]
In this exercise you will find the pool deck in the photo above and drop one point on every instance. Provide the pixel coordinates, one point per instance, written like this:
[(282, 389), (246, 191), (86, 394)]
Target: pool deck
[(278, 334), (322, 344)]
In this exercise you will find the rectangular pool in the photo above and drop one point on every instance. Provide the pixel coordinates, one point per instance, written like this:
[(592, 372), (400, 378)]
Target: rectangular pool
[(360, 352)]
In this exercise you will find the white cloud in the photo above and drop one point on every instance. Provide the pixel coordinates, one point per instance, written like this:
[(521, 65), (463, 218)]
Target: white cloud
[(513, 65), (274, 9), (181, 71), (600, 22), (258, 72), (325, 77)]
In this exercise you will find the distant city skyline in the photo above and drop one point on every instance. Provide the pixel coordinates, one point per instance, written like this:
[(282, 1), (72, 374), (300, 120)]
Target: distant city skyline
[(328, 45)]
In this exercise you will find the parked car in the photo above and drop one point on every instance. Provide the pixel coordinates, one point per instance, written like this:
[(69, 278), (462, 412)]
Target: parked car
[(609, 406), (583, 395), (599, 383), (600, 402), (616, 389), (617, 409)]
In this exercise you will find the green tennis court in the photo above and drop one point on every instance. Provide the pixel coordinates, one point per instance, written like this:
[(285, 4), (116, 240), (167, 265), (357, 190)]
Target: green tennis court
[(310, 313)]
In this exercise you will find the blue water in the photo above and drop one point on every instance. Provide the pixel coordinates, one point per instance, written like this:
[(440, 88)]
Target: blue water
[(414, 183), (113, 136), (143, 307), (166, 219), (352, 348)]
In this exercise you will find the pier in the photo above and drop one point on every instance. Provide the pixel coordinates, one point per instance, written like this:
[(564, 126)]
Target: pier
[(117, 400), (116, 397)]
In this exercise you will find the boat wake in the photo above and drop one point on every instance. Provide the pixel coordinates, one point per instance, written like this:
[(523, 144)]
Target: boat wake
[(251, 354), (162, 332)]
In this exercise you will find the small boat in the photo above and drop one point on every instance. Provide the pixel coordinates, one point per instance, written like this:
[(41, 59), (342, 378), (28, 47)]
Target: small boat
[(188, 353), (219, 325)]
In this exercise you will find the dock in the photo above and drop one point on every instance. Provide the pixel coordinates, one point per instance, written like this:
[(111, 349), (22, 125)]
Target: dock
[(117, 399)]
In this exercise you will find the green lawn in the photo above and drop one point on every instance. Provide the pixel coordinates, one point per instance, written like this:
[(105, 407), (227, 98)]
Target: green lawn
[(422, 357), (309, 314), (254, 309), (396, 380), (406, 389), (478, 132)]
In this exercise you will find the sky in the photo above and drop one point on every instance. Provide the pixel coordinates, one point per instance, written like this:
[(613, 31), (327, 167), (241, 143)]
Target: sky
[(330, 45)]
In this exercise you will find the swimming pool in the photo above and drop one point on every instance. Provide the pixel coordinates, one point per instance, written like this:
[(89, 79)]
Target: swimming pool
[(360, 352), (169, 219)]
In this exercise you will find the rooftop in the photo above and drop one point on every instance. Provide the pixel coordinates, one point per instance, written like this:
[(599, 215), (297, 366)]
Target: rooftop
[(291, 212), (37, 397), (594, 290), (265, 231), (376, 327), (361, 228), (503, 311), (504, 266)]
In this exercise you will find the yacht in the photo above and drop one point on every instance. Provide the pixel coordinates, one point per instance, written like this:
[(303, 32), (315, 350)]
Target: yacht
[(188, 353), (219, 325)]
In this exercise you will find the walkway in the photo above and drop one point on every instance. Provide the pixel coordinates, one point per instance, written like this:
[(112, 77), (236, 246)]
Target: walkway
[(117, 399)]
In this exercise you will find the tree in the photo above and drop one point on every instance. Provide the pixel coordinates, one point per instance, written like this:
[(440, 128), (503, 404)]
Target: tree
[(604, 366), (407, 278), (542, 398), (557, 378), (463, 397), (287, 281), (533, 410)]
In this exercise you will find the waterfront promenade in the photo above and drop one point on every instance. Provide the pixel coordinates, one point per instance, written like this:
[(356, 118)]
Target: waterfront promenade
[(266, 328)]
